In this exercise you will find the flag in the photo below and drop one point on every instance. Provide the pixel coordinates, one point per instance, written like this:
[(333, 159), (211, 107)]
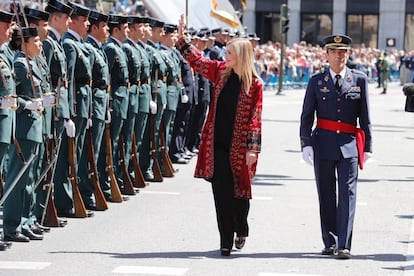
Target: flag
[(243, 3), (214, 4)]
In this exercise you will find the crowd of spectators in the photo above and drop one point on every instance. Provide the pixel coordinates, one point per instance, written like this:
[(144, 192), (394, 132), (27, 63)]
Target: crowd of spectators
[(302, 60)]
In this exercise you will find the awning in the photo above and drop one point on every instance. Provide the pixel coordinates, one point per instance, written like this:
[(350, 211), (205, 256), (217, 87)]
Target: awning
[(200, 13)]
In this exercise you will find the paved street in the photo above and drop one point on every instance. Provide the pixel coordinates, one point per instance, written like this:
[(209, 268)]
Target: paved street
[(170, 228)]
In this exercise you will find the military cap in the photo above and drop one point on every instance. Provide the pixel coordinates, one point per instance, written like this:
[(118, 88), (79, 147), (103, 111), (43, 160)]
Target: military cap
[(79, 10), (201, 35), (27, 32), (135, 19), (117, 19), (156, 23), (56, 6), (6, 16), (220, 30), (36, 14), (337, 42), (98, 17), (253, 36), (226, 31), (170, 28)]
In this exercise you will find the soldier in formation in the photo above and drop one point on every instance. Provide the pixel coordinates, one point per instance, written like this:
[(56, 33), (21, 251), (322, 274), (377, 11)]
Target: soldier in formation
[(104, 103)]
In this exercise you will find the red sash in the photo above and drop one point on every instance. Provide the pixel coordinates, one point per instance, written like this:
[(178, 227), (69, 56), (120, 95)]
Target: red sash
[(339, 127)]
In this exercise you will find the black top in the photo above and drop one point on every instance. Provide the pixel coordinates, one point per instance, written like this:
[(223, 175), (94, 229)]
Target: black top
[(226, 112)]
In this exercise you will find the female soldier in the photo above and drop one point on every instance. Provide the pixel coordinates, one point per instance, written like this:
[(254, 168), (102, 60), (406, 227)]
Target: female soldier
[(29, 118)]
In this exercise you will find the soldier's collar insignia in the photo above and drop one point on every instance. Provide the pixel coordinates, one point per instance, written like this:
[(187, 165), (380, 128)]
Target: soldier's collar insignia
[(325, 89), (348, 77)]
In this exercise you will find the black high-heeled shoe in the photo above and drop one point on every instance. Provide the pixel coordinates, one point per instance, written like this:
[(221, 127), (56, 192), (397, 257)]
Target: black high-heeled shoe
[(239, 242), (225, 251)]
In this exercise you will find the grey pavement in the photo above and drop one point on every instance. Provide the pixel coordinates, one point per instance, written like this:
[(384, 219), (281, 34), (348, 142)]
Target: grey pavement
[(170, 228)]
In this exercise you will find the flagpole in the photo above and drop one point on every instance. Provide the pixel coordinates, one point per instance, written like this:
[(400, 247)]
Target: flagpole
[(186, 14)]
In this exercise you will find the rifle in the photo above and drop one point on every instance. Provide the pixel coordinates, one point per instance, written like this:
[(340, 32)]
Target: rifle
[(115, 192), (80, 210), (49, 216), (153, 151), (128, 186), (19, 175), (100, 201), (166, 160), (139, 177)]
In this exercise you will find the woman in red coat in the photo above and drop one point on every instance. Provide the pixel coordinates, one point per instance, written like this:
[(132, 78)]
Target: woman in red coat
[(231, 137)]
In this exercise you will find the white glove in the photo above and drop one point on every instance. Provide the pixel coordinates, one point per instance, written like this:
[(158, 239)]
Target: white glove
[(8, 102), (34, 106), (251, 158), (108, 117), (70, 128), (163, 107), (184, 98), (307, 155), (48, 99), (367, 155), (89, 123), (153, 107)]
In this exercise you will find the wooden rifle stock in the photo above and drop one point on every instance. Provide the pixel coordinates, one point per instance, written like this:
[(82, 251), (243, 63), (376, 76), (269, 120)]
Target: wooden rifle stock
[(128, 186), (139, 177), (100, 201), (166, 160), (50, 217), (115, 192), (80, 210)]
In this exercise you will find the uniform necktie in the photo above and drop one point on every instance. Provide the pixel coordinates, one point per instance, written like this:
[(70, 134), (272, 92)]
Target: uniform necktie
[(337, 84)]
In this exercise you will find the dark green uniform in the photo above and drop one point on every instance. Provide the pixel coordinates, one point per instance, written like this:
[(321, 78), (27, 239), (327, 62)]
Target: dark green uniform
[(30, 136), (158, 85), (7, 87), (118, 69), (100, 98), (134, 58), (80, 94)]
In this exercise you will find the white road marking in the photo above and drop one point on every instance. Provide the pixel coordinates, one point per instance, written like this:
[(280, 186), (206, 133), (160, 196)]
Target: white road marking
[(158, 192), (150, 270), (286, 274), (23, 265), (410, 250), (262, 197)]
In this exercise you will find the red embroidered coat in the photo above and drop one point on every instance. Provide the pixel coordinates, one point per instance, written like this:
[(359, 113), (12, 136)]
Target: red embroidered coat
[(247, 125)]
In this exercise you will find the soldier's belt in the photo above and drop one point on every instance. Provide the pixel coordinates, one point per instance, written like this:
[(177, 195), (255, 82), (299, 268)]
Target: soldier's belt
[(164, 79), (81, 81), (338, 127)]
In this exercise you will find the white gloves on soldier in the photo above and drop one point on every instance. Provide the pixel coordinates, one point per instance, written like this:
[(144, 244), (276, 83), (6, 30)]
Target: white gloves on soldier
[(153, 107), (70, 128), (108, 117), (89, 123), (184, 98), (367, 155), (34, 106), (8, 102), (307, 155), (48, 100)]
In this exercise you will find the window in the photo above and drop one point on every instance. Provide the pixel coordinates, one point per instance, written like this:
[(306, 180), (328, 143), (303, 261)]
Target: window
[(363, 28), (314, 27)]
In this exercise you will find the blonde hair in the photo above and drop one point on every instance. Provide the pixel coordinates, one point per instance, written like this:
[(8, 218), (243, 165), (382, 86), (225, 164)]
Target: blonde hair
[(245, 62)]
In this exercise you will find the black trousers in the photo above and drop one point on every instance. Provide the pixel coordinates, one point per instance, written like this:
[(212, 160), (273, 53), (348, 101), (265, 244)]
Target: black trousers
[(231, 212)]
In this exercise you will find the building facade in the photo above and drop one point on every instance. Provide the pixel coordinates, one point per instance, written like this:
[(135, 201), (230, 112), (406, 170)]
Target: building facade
[(375, 23)]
